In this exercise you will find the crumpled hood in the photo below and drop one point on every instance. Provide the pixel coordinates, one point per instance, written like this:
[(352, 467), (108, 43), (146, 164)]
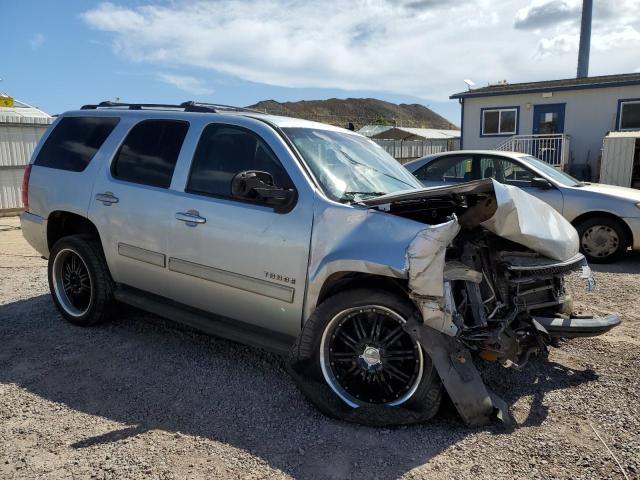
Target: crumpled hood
[(524, 219), (518, 216)]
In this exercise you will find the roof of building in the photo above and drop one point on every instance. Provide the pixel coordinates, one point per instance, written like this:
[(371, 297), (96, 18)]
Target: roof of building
[(407, 133), (23, 113), (552, 85), (624, 134)]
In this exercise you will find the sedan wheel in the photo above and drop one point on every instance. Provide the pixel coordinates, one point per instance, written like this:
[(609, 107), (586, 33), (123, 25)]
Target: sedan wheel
[(602, 239)]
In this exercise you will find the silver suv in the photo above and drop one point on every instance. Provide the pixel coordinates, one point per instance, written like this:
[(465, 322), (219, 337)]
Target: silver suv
[(304, 239)]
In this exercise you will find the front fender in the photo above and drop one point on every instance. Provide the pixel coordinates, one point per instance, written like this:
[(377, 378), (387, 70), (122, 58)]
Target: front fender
[(348, 238)]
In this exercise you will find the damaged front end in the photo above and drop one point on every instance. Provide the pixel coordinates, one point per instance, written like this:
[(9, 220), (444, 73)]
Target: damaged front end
[(487, 274)]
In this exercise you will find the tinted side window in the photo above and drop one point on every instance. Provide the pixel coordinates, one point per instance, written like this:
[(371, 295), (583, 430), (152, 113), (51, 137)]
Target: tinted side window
[(150, 151), (224, 151), (74, 142), (447, 169)]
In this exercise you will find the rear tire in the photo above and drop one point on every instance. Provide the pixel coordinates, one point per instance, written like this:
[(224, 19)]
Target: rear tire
[(602, 239), (79, 280), (374, 396)]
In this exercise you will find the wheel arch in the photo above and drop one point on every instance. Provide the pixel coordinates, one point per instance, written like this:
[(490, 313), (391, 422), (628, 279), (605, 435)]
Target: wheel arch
[(61, 223), (349, 280)]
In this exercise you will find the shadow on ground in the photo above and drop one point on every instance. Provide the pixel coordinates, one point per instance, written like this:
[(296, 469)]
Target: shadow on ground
[(629, 263), (147, 374)]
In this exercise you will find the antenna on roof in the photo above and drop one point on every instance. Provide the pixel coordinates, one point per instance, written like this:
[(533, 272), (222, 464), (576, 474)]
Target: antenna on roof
[(470, 83)]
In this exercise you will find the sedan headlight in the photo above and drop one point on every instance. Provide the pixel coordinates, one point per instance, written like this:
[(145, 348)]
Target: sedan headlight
[(638, 204)]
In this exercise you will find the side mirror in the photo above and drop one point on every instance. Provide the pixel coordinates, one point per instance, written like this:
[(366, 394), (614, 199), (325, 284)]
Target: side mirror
[(259, 186), (539, 182)]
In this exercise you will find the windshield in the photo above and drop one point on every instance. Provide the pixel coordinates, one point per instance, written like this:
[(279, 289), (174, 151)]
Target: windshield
[(551, 172), (349, 166)]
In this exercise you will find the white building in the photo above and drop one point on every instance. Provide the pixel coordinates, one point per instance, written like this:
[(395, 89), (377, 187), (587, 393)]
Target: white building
[(21, 127), (562, 122)]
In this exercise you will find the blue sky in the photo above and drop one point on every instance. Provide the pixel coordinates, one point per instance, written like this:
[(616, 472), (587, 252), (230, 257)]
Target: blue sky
[(64, 54)]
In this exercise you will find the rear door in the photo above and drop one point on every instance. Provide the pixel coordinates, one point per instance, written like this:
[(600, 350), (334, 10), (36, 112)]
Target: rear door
[(131, 202), (240, 259), (73, 153)]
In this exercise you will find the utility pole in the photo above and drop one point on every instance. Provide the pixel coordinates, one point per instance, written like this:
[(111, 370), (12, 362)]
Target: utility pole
[(585, 39)]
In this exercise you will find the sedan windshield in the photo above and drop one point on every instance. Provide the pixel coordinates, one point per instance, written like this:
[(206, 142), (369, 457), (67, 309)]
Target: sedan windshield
[(349, 166), (554, 174)]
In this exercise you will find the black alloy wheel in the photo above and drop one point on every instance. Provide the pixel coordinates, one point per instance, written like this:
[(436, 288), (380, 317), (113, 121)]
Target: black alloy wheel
[(368, 359)]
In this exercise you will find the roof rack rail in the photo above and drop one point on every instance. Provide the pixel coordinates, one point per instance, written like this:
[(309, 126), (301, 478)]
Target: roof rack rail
[(130, 106), (189, 106), (194, 106)]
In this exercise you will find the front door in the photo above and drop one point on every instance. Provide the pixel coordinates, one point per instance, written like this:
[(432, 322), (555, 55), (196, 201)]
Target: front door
[(240, 259), (447, 169), (511, 172), (548, 119)]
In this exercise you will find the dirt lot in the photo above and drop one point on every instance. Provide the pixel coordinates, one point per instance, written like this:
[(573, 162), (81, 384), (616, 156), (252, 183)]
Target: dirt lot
[(141, 398)]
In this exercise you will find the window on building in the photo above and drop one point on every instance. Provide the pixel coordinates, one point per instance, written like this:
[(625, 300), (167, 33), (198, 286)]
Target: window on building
[(149, 153), (499, 121), (74, 142), (630, 115), (224, 151)]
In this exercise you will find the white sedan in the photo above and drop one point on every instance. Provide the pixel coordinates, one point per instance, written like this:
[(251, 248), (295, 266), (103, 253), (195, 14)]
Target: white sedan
[(606, 217)]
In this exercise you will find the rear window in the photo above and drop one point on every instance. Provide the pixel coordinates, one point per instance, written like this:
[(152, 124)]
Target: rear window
[(149, 153), (74, 142)]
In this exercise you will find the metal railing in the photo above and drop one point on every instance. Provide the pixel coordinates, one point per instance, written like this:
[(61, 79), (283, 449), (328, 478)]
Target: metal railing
[(551, 148)]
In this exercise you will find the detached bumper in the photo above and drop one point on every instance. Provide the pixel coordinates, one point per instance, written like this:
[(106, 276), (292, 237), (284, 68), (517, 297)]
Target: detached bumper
[(578, 326)]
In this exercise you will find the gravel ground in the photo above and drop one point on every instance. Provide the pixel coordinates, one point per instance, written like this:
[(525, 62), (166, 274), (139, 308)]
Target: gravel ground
[(141, 398)]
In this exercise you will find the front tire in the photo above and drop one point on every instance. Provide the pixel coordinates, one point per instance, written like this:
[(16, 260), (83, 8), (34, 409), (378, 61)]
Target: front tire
[(602, 239), (79, 280), (354, 361)]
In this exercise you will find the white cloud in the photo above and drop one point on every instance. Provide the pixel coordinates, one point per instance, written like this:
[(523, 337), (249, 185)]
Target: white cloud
[(558, 45), (624, 37), (614, 30), (416, 47), (543, 13), (36, 41), (186, 83)]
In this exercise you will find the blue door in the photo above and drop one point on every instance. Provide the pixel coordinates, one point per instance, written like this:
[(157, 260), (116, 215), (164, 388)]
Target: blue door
[(548, 120)]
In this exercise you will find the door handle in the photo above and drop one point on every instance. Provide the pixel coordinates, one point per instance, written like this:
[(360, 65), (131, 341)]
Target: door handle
[(107, 198), (191, 218)]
